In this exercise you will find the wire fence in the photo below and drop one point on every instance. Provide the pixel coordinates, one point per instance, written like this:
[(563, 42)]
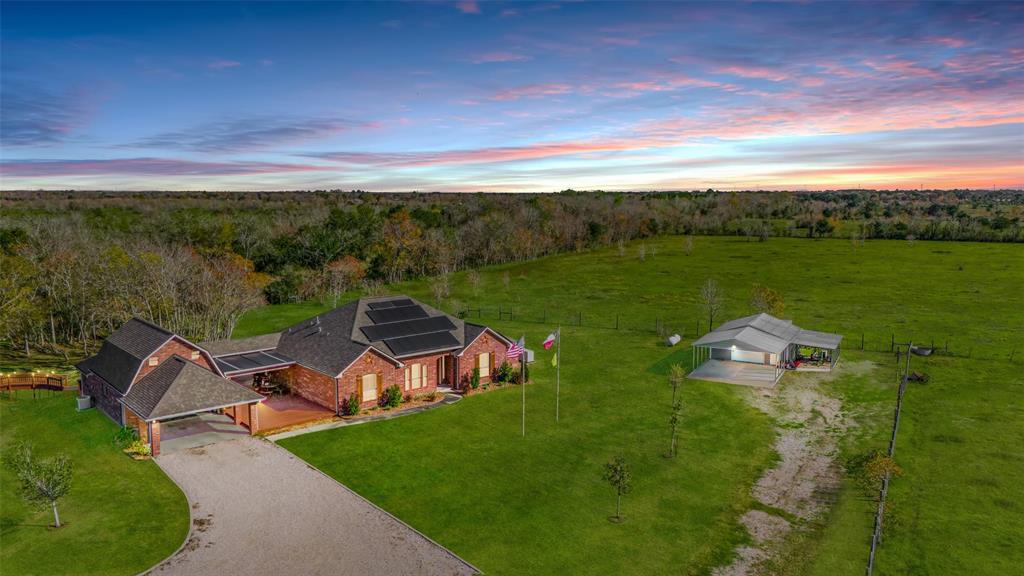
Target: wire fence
[(692, 328), (876, 533)]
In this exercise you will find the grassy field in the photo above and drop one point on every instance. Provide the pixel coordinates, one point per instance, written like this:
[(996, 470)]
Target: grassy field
[(493, 495), (121, 516)]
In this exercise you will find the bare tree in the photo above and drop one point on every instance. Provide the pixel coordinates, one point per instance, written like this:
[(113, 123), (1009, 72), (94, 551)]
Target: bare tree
[(474, 279), (688, 245), (711, 300), (440, 287), (42, 481), (676, 376), (618, 474), (677, 410)]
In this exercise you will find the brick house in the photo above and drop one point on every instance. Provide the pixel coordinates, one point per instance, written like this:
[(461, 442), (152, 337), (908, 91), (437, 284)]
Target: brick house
[(362, 347), (144, 374)]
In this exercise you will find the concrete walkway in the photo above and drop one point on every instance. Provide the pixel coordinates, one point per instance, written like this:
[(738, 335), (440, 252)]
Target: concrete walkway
[(259, 510), (449, 398)]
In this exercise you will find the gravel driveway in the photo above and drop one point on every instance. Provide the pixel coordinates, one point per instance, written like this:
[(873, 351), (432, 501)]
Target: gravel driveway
[(257, 509)]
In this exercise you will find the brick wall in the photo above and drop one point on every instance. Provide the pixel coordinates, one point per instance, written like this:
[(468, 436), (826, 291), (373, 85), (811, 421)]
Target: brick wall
[(104, 396), (173, 347), (132, 419), (485, 343), (311, 385), (389, 375)]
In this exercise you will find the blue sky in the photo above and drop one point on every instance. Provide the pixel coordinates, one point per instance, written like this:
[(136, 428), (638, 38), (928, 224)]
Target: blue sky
[(466, 96)]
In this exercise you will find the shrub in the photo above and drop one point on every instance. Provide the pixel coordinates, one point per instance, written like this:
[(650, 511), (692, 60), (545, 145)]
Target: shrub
[(124, 436), (505, 373), (432, 396), (350, 405), (391, 397), (138, 448), (474, 380)]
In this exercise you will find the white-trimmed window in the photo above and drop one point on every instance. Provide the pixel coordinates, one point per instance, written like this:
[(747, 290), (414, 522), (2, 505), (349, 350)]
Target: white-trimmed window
[(415, 376), (483, 363), (153, 360), (368, 386), (195, 355)]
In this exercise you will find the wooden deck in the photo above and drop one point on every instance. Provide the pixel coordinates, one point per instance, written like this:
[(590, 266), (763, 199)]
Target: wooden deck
[(742, 373)]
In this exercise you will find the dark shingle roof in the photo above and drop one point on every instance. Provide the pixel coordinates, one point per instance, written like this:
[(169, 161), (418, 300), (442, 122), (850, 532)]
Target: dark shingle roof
[(330, 342), (179, 387), (123, 352), (323, 343), (251, 344)]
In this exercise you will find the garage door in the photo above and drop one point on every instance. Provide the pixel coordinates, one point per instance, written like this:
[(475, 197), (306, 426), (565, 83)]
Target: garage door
[(744, 356)]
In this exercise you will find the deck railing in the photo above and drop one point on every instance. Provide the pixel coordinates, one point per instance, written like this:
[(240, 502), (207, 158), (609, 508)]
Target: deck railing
[(33, 381)]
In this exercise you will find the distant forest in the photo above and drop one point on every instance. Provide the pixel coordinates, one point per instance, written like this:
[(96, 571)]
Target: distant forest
[(76, 264)]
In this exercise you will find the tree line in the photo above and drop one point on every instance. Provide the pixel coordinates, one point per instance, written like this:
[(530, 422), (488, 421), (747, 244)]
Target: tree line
[(77, 264)]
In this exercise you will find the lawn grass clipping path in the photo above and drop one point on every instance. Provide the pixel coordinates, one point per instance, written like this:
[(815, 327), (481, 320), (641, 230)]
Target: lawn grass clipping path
[(121, 516)]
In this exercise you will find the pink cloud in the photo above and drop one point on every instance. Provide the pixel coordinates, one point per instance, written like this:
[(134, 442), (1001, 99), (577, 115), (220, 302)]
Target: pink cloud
[(509, 12), (948, 41), (468, 7), (901, 67), (485, 155), (222, 64), (753, 72), (492, 57), (146, 167), (531, 91)]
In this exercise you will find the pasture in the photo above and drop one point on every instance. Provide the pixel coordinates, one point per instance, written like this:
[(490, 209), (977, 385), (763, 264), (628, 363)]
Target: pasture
[(465, 477)]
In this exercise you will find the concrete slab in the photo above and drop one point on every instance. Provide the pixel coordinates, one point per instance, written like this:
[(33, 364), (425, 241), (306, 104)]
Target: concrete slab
[(198, 430), (742, 373)]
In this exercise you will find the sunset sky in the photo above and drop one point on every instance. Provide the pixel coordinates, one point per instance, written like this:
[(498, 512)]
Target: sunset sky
[(500, 96)]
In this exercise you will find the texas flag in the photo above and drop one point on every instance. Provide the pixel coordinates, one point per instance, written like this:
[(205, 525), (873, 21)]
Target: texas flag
[(549, 341)]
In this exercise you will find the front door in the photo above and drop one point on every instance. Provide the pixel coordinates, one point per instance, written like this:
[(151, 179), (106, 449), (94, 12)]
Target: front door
[(369, 391), (442, 372)]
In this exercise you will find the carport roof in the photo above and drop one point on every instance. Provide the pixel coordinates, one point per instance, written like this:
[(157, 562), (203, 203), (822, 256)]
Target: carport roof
[(179, 387), (765, 333)]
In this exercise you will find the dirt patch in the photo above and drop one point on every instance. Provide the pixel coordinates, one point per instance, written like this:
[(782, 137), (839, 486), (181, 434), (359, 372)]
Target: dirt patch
[(803, 482)]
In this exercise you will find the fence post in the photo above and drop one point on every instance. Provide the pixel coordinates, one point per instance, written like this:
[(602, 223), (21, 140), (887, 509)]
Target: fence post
[(579, 318), (616, 321), (500, 315), (862, 341), (947, 345), (892, 343)]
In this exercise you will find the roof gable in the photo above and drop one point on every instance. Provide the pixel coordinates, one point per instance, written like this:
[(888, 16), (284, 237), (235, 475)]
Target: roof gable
[(122, 353), (179, 387)]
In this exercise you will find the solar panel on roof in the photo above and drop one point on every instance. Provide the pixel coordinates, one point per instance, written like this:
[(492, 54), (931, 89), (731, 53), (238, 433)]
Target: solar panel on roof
[(251, 361), (390, 304), (407, 328), (397, 314), (422, 343)]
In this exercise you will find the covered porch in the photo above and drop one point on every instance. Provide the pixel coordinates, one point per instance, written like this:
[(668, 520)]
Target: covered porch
[(743, 373)]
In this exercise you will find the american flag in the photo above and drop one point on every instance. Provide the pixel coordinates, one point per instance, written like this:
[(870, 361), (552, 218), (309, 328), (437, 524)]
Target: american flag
[(516, 349)]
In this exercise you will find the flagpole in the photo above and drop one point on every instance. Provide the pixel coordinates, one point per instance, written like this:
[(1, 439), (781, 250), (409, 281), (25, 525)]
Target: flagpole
[(522, 377), (558, 367)]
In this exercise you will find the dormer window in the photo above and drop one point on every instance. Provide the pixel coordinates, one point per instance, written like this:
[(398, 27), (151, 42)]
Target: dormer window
[(153, 360), (195, 354)]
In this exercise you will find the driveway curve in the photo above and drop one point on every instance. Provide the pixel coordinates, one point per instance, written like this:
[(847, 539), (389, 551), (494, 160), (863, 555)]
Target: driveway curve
[(258, 509)]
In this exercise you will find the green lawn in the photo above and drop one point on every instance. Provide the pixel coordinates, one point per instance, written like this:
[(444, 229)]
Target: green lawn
[(537, 505), (465, 476), (121, 516)]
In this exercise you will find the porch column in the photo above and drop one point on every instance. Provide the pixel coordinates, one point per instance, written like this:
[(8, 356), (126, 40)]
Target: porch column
[(236, 415), (154, 438), (254, 418)]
